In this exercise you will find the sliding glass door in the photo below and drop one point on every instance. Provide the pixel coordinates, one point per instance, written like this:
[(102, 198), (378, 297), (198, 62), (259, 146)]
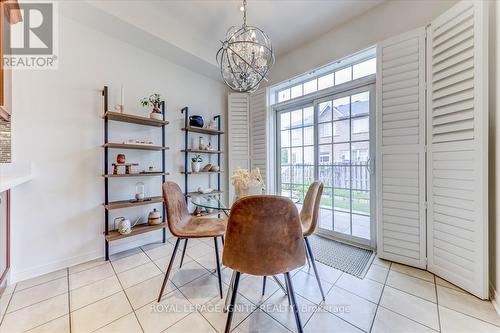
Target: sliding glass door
[(332, 140)]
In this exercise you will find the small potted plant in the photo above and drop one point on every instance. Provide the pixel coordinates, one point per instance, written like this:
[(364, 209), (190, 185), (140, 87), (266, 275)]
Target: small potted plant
[(196, 163), (154, 101)]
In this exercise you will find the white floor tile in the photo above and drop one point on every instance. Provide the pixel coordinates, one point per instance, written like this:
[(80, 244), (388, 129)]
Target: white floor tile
[(213, 312), (129, 262), (93, 292), (325, 272), (87, 265), (381, 262), (163, 262), (124, 254), (126, 324), (323, 321), (259, 321), (100, 313), (277, 307), (148, 291), (138, 274), (415, 272), (307, 286), (468, 304), (192, 323), (158, 250), (250, 286), (201, 290), (199, 250), (353, 309), (412, 285), (444, 283), (156, 317), (91, 275), (59, 325), (452, 321), (377, 273), (35, 315), (389, 321), (366, 288), (38, 293), (410, 306), (190, 271), (41, 279)]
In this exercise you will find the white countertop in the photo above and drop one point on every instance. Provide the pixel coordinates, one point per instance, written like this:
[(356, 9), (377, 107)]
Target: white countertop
[(11, 181)]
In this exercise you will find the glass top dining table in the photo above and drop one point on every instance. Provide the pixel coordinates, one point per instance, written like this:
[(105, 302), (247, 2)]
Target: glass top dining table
[(219, 202)]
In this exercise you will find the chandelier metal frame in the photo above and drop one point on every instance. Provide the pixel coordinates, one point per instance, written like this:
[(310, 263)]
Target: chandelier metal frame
[(238, 66)]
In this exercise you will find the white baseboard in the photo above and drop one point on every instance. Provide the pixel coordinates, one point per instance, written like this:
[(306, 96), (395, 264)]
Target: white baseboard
[(16, 276), (495, 298), (29, 273)]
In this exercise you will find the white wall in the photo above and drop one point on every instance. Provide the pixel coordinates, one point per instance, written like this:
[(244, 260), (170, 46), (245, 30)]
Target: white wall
[(386, 20), (57, 219)]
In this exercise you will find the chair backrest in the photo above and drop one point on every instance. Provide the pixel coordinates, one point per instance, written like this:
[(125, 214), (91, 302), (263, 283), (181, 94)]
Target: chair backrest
[(310, 209), (264, 236), (175, 203)]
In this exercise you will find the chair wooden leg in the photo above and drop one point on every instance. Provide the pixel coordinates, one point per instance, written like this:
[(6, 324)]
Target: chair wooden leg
[(218, 266), (295, 309), (233, 301), (167, 274), (183, 252), (313, 263), (229, 291), (264, 285)]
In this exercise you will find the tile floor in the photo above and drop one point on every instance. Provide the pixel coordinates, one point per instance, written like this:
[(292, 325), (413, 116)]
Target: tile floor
[(119, 296)]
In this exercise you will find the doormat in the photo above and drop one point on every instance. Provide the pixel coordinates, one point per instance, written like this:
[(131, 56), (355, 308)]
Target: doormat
[(347, 258)]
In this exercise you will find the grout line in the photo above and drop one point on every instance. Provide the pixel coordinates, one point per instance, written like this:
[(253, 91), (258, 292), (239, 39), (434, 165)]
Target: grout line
[(413, 320), (437, 304), (39, 284), (40, 301), (468, 315), (69, 301), (86, 269), (380, 298), (126, 296), (111, 322), (8, 304), (54, 319)]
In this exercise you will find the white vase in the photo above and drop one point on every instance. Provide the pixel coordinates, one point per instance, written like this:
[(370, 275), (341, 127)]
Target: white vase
[(155, 115), (195, 166)]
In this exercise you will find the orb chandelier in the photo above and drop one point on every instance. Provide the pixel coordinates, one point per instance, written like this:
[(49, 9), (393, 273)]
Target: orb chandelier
[(246, 56)]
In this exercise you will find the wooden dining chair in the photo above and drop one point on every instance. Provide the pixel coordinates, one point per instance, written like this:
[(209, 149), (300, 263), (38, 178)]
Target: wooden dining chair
[(264, 238), (183, 225)]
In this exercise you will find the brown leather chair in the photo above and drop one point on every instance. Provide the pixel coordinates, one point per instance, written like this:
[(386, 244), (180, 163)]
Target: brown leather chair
[(309, 220), (264, 238), (184, 226)]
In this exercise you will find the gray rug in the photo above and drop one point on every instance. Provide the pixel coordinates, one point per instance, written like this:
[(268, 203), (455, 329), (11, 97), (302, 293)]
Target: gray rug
[(347, 258)]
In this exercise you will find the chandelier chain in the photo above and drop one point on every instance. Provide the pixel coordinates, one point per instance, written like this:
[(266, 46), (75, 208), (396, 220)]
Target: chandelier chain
[(244, 13)]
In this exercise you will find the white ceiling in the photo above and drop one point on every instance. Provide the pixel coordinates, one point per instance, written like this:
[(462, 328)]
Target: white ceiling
[(188, 32), (289, 23)]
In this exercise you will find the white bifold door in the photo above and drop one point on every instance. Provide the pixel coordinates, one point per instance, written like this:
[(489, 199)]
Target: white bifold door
[(432, 147)]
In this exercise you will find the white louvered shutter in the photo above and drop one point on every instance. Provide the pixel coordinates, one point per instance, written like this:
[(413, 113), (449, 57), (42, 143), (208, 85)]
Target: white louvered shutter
[(401, 149), (258, 132), (238, 135), (457, 139)]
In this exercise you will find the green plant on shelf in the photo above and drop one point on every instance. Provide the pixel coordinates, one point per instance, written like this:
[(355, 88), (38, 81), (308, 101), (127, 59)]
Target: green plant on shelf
[(197, 158), (154, 101)]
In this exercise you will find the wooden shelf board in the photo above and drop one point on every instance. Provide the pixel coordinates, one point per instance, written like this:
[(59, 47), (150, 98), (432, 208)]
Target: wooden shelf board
[(127, 203), (202, 130), (148, 174), (137, 230), (130, 118), (203, 151), (201, 172), (192, 194), (134, 146)]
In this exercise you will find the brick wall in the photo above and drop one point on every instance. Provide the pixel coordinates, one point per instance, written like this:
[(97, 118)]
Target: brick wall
[(5, 141)]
